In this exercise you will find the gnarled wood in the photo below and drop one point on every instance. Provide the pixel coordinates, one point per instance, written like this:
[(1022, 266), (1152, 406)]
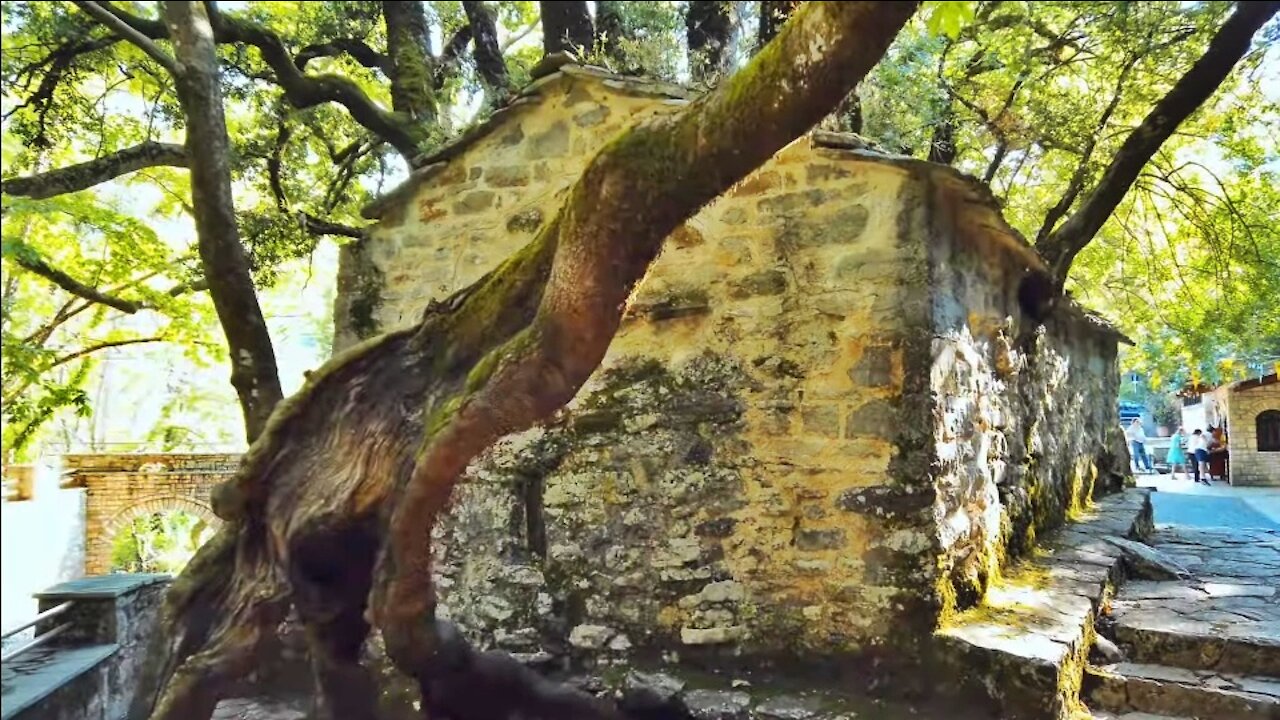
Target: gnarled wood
[(364, 459)]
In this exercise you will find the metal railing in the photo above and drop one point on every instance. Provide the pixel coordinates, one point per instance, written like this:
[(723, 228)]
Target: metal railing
[(40, 639)]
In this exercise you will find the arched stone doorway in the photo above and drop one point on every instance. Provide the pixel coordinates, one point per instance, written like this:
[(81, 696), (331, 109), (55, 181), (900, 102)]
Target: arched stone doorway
[(99, 559)]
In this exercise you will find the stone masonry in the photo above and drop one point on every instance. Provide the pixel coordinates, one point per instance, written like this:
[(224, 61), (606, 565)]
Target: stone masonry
[(1245, 402), (832, 412), (119, 488)]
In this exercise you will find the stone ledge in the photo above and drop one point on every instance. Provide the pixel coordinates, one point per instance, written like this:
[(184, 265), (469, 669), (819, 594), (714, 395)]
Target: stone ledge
[(32, 677), (1134, 687), (1025, 647), (101, 587)]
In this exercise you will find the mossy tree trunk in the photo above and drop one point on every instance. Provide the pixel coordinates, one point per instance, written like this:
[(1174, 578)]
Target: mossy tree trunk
[(332, 508), (566, 25)]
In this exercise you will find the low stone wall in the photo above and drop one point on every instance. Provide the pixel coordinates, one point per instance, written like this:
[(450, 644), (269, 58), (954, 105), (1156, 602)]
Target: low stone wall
[(91, 670)]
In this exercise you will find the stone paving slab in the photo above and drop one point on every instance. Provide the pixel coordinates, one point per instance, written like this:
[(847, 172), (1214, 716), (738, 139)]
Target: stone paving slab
[(1025, 647), (1140, 687), (1225, 617)]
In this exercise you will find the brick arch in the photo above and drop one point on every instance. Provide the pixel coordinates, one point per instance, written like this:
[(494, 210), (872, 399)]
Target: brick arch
[(119, 487), (99, 560)]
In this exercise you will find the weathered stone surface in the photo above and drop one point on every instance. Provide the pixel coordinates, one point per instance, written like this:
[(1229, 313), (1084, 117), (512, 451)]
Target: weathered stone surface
[(590, 636), (712, 636), (551, 143), (474, 202), (688, 460), (1148, 563), (788, 707), (647, 692), (507, 176), (1026, 646), (717, 704), (765, 282), (1209, 621), (1132, 687)]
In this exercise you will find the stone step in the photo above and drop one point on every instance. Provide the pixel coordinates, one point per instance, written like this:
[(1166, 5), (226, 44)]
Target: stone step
[(1022, 652), (1137, 688), (1240, 646)]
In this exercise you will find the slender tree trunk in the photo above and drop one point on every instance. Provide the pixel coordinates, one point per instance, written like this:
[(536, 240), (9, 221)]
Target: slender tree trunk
[(222, 256), (773, 14), (1231, 42), (408, 44), (566, 26), (487, 52), (361, 463), (708, 26)]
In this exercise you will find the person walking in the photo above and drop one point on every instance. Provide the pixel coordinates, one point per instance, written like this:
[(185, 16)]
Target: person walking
[(1137, 438), (1198, 448), (1177, 455)]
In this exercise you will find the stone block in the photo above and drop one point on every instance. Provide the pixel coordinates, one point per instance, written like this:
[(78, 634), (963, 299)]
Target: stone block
[(525, 221), (550, 143), (874, 367), (503, 176), (765, 282), (808, 539), (821, 420), (474, 202), (875, 417), (712, 636)]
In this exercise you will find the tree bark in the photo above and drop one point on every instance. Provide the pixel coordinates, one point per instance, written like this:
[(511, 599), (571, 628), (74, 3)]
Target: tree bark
[(773, 15), (708, 26), (362, 461), (226, 267), (566, 26), (487, 52), (609, 32), (412, 81), (300, 89), (85, 175), (1228, 45)]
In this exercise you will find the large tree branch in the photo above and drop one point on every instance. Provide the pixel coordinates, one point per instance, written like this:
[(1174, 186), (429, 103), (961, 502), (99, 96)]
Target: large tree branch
[(124, 30), (99, 170), (1076, 184), (1226, 48), (38, 266), (104, 345), (357, 49), (487, 54), (639, 188), (300, 89)]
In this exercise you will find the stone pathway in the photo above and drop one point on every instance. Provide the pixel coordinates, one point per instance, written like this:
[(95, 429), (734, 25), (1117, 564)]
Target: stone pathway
[(1207, 645), (259, 709)]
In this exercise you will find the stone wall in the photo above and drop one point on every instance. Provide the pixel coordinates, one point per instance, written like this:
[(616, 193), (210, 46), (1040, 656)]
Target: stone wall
[(1025, 420), (1244, 403), (119, 488), (767, 461), (91, 670)]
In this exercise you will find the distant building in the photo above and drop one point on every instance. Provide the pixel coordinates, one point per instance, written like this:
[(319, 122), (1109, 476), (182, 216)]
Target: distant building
[(1250, 409)]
